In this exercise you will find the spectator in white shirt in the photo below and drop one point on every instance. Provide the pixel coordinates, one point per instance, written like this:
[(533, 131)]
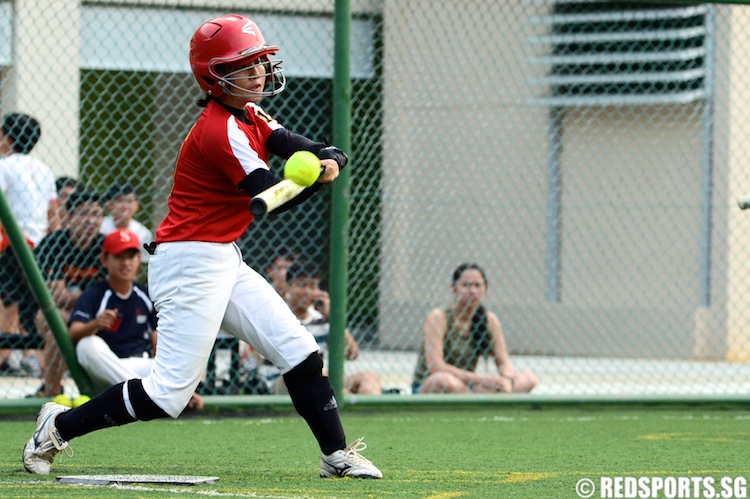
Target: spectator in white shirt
[(29, 188)]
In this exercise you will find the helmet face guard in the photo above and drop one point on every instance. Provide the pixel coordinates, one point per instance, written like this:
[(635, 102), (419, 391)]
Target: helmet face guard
[(271, 70), (224, 46)]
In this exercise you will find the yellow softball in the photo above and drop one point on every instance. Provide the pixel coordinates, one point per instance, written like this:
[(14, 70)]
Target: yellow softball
[(63, 399), (303, 168), (80, 400)]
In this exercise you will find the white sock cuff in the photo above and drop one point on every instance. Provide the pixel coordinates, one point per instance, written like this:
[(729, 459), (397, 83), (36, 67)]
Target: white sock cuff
[(126, 400)]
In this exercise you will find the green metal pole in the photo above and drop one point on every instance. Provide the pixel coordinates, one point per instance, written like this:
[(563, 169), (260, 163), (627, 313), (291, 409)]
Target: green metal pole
[(42, 295), (342, 96)]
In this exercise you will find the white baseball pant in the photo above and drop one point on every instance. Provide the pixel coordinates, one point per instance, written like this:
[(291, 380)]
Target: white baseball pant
[(198, 288), (106, 368)]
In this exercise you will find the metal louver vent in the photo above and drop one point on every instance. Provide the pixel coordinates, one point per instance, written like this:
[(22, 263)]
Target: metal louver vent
[(605, 53)]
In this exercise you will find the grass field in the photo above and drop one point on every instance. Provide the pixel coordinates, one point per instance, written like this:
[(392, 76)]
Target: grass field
[(512, 452)]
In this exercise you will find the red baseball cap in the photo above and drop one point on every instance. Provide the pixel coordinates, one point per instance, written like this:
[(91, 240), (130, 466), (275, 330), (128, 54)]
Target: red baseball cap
[(120, 241)]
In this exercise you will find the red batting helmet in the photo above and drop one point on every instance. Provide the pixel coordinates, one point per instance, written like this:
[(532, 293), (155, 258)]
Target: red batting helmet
[(231, 39)]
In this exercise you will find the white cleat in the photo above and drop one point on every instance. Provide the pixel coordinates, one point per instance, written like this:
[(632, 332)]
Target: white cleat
[(46, 442), (348, 462)]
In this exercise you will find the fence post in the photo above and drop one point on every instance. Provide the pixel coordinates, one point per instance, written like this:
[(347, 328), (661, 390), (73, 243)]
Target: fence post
[(42, 295), (342, 96)]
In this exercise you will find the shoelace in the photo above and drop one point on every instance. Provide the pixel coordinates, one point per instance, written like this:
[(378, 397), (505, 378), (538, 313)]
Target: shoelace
[(354, 451), (49, 449), (60, 444)]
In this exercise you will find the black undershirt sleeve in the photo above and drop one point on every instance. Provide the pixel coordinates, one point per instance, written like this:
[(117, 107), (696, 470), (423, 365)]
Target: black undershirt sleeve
[(284, 143), (258, 181)]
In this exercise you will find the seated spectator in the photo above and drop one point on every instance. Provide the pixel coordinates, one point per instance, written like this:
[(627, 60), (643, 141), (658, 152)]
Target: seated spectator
[(456, 337), (64, 186), (122, 203), (69, 260), (276, 272), (113, 323), (29, 188), (302, 291)]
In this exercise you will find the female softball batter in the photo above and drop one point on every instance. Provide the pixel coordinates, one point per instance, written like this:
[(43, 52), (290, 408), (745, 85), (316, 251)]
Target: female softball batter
[(197, 277)]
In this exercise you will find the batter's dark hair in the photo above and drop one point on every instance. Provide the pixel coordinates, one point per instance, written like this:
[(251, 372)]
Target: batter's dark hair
[(203, 101), (468, 266), (22, 130)]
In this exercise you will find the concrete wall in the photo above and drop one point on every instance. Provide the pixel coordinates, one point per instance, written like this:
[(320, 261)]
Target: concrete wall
[(462, 152), (632, 179)]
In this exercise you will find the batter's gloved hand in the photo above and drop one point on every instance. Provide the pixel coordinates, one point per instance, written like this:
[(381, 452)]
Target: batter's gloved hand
[(336, 154)]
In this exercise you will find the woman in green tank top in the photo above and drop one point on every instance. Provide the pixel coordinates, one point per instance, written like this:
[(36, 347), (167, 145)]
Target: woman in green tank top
[(456, 337)]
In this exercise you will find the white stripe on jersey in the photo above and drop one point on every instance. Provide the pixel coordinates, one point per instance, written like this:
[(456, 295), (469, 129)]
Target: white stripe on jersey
[(103, 303), (144, 297), (241, 148), (108, 294)]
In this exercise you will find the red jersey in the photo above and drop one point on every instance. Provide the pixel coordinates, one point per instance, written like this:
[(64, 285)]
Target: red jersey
[(205, 203)]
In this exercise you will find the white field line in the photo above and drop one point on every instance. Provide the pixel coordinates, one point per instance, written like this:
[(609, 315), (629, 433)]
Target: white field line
[(208, 493)]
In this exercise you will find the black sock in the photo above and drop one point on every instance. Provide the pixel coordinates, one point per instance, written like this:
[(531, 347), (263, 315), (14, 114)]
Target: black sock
[(108, 409), (145, 409), (105, 410), (313, 398)]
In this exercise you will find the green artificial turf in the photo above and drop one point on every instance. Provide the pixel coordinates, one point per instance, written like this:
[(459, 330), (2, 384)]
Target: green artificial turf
[(485, 453)]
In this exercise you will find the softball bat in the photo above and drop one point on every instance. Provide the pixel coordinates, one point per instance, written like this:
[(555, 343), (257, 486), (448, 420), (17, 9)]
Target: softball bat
[(273, 197)]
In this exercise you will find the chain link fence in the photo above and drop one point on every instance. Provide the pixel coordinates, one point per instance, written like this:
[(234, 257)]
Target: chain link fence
[(587, 154)]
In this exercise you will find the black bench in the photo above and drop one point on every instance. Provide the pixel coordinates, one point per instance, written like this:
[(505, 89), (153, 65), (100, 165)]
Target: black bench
[(18, 341)]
